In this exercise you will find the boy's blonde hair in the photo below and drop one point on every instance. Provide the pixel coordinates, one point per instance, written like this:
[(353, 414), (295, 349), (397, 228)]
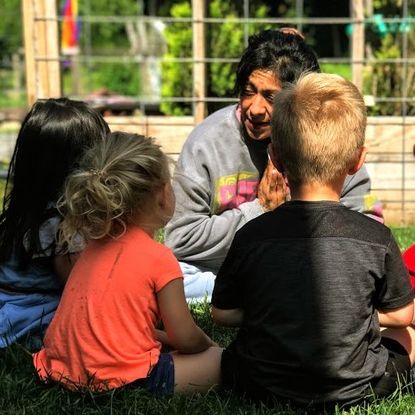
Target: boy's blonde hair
[(117, 179), (318, 128)]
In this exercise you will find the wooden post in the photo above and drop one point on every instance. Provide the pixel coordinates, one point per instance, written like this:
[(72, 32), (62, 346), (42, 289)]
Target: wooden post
[(41, 49), (358, 42), (199, 66), (52, 48), (29, 46)]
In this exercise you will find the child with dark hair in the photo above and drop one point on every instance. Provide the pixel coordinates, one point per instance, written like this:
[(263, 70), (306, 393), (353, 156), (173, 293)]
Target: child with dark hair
[(104, 334), (33, 269), (310, 283)]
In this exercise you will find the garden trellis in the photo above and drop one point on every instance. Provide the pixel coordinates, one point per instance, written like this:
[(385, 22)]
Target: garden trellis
[(390, 138)]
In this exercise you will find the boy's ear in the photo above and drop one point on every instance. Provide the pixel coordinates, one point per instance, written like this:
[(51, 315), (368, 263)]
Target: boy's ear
[(359, 162), (274, 158)]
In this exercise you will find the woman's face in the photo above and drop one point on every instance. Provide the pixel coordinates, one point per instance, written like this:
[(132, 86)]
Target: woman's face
[(256, 103)]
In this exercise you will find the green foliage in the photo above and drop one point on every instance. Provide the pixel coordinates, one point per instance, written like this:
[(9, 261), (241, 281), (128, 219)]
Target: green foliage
[(388, 7), (106, 35), (390, 80), (10, 27), (177, 77), (341, 69), (9, 97), (224, 40), (10, 44), (122, 78)]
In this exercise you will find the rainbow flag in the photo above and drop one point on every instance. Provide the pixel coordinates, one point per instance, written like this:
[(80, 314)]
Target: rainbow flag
[(70, 28)]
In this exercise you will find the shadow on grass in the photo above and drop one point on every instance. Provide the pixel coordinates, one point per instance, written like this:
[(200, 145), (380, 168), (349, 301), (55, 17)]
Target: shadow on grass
[(23, 393)]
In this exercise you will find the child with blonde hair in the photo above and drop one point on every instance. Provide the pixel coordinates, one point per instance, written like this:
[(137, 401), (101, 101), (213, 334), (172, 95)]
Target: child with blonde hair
[(311, 282), (104, 334)]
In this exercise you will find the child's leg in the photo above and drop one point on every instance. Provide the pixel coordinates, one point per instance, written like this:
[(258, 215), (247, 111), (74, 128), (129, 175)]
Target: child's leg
[(406, 337), (401, 347), (197, 372)]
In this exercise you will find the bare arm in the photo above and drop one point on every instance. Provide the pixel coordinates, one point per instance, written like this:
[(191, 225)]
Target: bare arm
[(182, 332), (63, 265), (227, 318), (161, 336), (398, 317), (196, 234)]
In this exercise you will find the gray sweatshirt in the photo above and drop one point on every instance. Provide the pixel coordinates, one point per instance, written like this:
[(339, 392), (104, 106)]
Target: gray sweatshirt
[(215, 183)]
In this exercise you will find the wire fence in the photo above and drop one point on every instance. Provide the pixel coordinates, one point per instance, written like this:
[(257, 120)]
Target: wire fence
[(390, 139)]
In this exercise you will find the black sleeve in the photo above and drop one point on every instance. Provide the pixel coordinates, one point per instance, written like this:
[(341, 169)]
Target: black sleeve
[(396, 290)]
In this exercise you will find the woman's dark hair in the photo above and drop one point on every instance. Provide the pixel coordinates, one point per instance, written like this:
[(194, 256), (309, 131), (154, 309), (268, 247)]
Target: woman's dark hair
[(285, 54), (53, 136)]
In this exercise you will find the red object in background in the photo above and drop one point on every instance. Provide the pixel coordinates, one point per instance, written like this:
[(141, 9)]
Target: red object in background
[(409, 260), (70, 28)]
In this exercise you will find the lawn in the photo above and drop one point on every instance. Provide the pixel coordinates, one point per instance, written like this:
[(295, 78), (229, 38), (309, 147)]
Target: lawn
[(22, 393)]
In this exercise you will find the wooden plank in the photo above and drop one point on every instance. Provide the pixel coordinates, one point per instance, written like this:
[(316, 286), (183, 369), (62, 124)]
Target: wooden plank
[(28, 35), (358, 42), (40, 48), (169, 132), (391, 176), (52, 47), (398, 206), (390, 143), (199, 53)]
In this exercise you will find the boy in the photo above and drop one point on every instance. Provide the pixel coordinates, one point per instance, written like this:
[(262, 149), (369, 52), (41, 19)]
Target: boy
[(223, 179), (310, 283)]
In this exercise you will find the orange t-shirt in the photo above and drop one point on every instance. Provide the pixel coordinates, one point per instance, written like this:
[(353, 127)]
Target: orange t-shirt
[(102, 335)]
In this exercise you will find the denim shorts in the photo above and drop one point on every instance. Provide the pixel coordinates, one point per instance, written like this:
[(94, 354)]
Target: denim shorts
[(161, 379)]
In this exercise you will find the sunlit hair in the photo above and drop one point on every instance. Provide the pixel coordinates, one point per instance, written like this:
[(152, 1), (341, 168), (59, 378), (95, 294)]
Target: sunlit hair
[(117, 180), (318, 128), (52, 137)]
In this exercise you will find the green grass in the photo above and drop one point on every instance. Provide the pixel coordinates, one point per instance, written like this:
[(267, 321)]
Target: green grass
[(404, 236), (22, 393)]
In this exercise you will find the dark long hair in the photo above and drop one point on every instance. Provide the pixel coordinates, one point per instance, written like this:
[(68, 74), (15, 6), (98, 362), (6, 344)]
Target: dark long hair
[(51, 139), (285, 54)]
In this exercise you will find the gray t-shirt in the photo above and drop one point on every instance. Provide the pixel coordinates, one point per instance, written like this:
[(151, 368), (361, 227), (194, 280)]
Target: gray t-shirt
[(309, 277)]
